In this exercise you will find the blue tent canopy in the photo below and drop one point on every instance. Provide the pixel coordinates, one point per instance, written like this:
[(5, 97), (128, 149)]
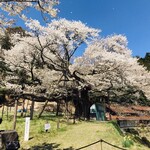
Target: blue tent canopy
[(98, 110)]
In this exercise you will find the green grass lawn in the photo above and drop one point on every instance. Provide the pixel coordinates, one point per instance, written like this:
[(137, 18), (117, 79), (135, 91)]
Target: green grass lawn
[(68, 136)]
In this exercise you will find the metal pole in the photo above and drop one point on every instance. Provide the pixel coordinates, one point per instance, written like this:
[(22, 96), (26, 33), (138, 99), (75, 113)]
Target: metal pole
[(101, 145)]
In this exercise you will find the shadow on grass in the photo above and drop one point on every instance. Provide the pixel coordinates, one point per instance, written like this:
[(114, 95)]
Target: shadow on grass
[(48, 146), (51, 117), (143, 141), (116, 126)]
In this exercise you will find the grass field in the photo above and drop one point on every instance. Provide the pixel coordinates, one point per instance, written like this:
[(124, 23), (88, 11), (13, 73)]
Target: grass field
[(68, 136)]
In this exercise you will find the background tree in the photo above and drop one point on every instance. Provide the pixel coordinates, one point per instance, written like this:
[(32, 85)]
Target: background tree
[(45, 56), (43, 65), (14, 9), (145, 61), (110, 70)]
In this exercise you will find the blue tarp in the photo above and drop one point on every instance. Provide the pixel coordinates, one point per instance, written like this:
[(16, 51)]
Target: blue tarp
[(98, 110)]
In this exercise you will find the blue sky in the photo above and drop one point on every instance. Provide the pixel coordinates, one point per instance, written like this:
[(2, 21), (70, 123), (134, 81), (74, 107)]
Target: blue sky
[(128, 17)]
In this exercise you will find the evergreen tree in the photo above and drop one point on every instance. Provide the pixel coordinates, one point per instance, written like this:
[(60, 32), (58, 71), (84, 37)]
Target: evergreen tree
[(145, 61)]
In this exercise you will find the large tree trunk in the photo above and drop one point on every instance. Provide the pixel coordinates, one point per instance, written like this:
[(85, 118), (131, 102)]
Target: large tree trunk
[(40, 114), (57, 110), (32, 109), (3, 107), (82, 104), (23, 109), (85, 104), (86, 109), (77, 104), (78, 108), (108, 101), (67, 112), (15, 115)]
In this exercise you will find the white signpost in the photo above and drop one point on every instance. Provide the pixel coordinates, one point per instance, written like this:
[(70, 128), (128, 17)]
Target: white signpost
[(27, 127), (47, 127)]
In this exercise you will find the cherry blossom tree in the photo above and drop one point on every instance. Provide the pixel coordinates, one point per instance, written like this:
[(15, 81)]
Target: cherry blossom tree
[(12, 10), (109, 68), (21, 9), (45, 56), (43, 64)]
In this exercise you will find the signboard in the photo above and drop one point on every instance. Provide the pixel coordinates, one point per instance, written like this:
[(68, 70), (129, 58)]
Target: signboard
[(27, 127), (47, 127)]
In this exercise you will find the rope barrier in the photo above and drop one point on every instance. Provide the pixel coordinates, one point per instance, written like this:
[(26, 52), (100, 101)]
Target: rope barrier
[(101, 145), (113, 145), (89, 145)]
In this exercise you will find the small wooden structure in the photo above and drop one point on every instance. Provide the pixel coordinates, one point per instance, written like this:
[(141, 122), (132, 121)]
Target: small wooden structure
[(129, 116)]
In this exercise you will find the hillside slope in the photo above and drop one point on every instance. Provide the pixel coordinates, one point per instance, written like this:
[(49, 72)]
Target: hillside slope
[(69, 137)]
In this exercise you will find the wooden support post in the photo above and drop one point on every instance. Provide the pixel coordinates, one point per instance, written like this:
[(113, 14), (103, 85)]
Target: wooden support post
[(15, 114)]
